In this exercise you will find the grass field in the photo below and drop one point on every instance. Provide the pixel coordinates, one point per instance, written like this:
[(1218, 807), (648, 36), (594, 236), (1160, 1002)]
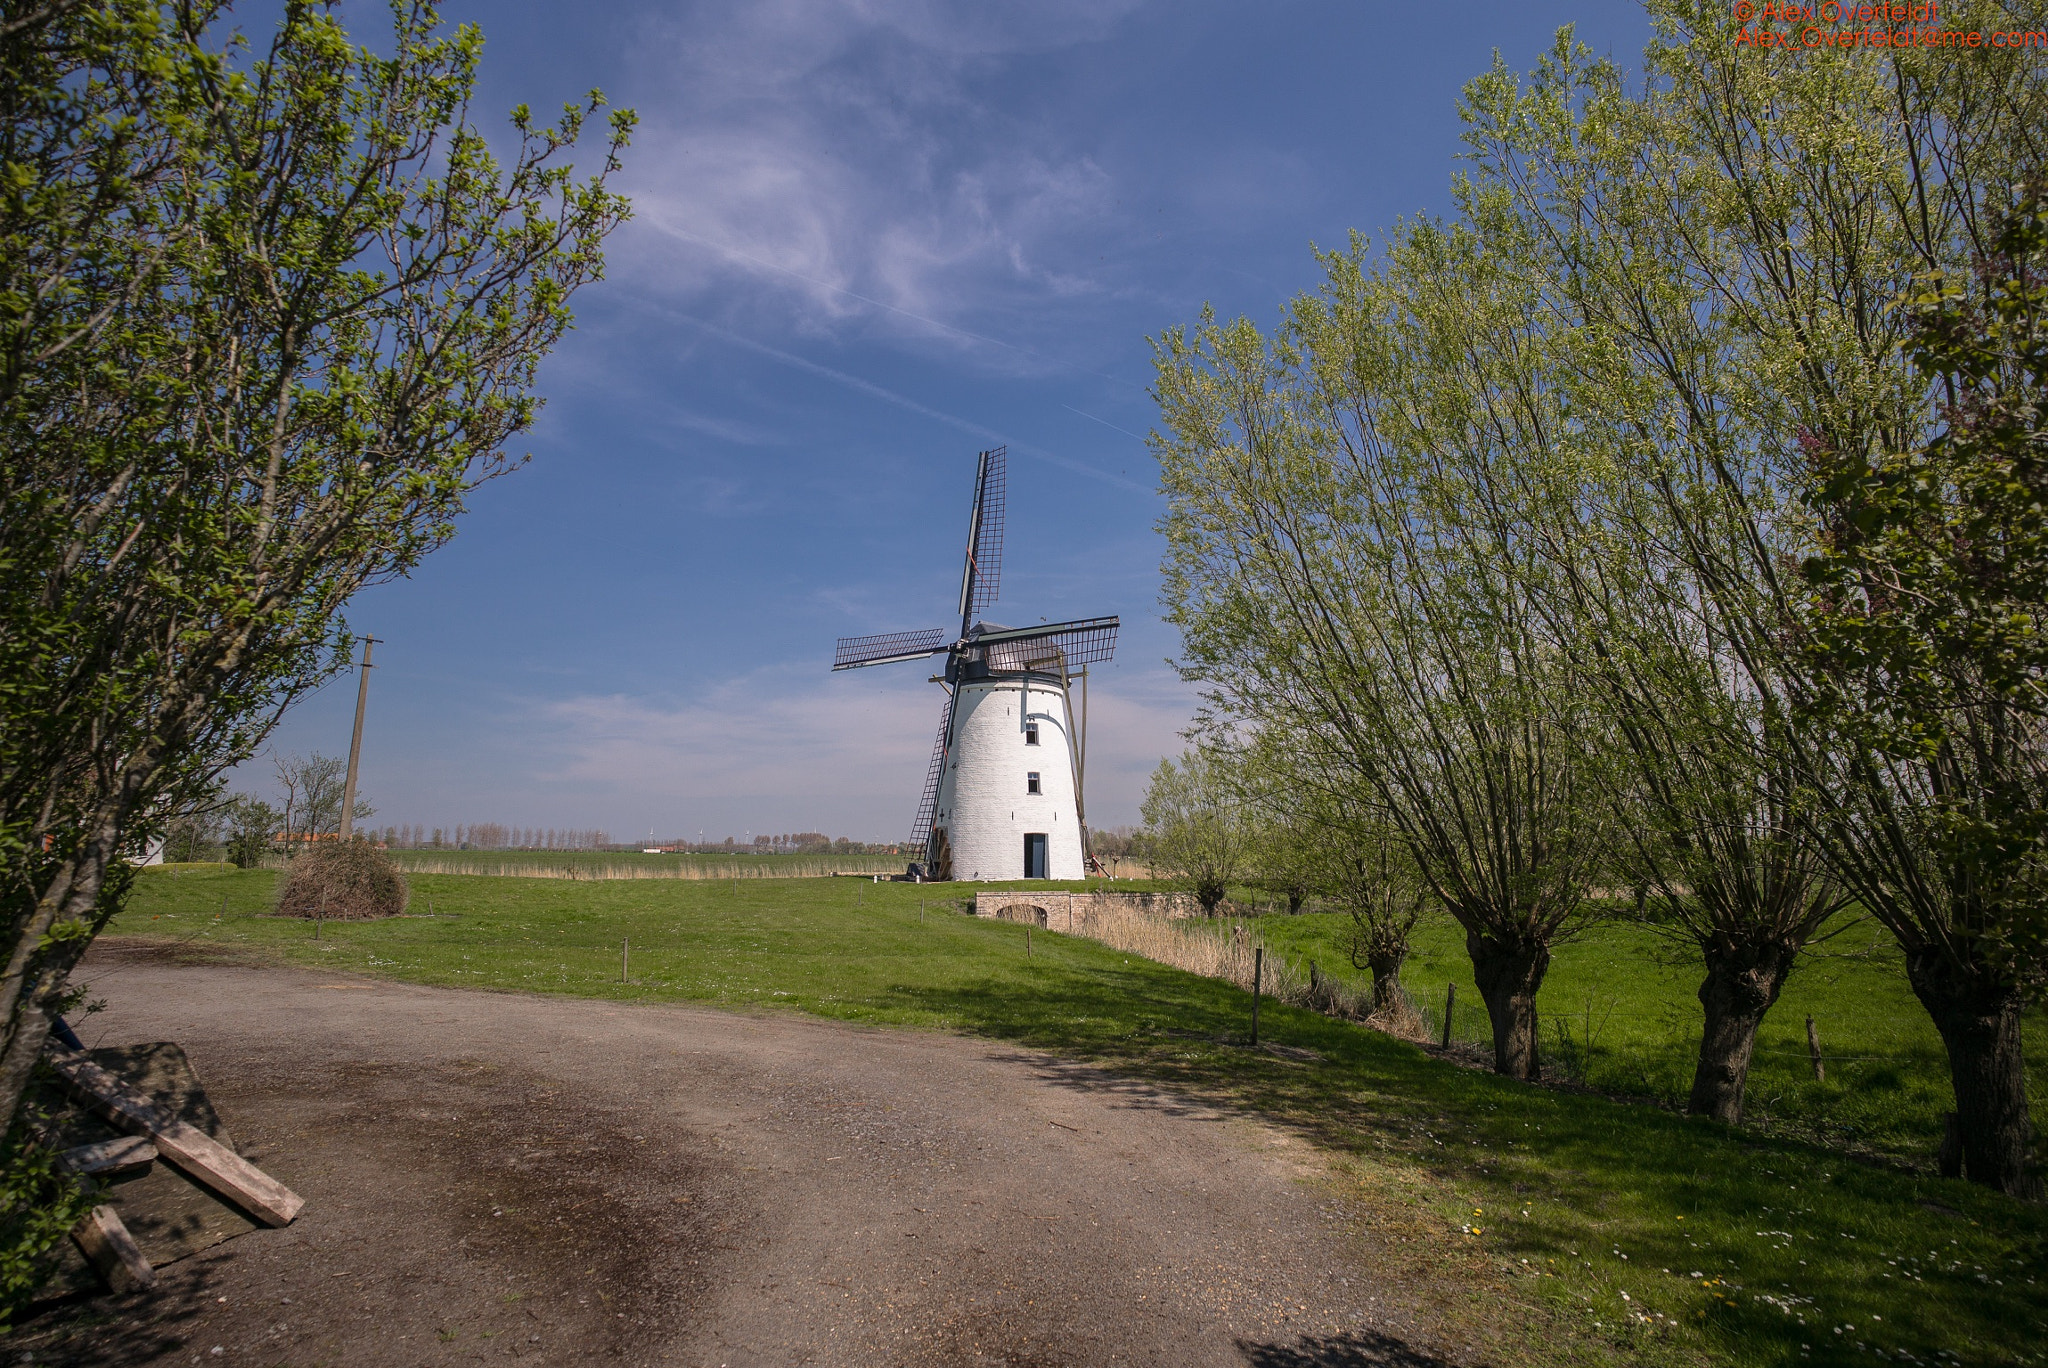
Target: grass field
[(1628, 994), (631, 864), (1579, 1229)]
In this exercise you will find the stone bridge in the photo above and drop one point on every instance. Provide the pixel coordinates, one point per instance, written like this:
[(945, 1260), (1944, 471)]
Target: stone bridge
[(1059, 911)]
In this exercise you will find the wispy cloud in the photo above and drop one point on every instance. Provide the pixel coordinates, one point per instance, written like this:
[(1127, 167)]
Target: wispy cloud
[(774, 164)]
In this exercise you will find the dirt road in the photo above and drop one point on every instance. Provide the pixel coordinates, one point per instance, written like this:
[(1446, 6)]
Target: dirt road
[(492, 1177)]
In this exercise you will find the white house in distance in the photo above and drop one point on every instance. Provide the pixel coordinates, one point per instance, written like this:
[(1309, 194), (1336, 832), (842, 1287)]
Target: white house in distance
[(1005, 797)]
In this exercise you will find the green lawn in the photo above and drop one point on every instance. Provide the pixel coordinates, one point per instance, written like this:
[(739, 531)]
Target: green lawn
[(1886, 1079), (1536, 1210)]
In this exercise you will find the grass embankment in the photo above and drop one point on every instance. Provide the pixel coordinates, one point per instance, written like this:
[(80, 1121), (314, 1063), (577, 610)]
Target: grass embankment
[(1564, 1228), (1630, 994)]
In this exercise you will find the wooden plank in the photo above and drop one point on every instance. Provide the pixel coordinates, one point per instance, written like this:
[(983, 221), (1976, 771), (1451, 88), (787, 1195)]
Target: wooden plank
[(123, 1154), (111, 1250), (190, 1148)]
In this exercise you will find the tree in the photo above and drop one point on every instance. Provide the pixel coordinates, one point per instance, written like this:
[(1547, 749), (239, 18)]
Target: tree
[(1195, 826), (313, 787), (1731, 300), (197, 830), (265, 377), (1929, 644), (253, 826), (1283, 857), (1345, 575)]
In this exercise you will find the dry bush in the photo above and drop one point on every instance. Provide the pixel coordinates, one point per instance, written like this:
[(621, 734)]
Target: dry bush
[(1224, 950), (342, 881)]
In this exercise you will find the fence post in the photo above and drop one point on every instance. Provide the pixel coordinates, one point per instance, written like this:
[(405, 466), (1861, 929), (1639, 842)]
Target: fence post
[(625, 959), (1258, 975), (320, 917), (1450, 1006), (1820, 1072)]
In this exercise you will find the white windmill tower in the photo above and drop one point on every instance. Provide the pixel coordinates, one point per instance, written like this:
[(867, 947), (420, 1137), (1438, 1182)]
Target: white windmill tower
[(1003, 797)]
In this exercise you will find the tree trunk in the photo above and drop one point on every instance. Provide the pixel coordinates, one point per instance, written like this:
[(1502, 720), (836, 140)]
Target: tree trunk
[(1386, 975), (1741, 985), (50, 943), (1979, 1020), (1508, 974), (1210, 896)]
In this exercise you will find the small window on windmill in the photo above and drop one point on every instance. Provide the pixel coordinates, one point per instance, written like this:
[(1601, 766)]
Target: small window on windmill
[(1030, 733), (1031, 782)]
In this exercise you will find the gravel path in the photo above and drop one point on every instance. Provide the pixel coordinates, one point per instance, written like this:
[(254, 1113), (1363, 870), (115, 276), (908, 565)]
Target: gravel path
[(492, 1176)]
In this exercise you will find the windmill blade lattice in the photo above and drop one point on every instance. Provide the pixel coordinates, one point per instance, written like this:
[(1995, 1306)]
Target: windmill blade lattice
[(990, 497), (921, 829), (889, 646), (1068, 644)]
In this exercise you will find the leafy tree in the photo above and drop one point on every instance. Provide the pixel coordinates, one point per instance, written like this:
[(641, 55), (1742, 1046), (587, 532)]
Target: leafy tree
[(1729, 300), (1284, 855), (1368, 873), (252, 829), (268, 317), (1344, 576), (1929, 645), (1195, 826)]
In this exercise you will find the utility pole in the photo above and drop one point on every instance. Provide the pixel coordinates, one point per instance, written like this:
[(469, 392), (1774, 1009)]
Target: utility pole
[(355, 746)]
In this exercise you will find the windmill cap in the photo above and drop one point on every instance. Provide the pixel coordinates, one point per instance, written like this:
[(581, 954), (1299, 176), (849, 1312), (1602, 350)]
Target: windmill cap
[(981, 627)]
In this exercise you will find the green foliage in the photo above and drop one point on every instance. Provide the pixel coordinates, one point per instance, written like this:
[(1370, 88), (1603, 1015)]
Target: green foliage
[(1505, 521), (39, 1204), (1196, 826), (252, 828), (1928, 631), (266, 316)]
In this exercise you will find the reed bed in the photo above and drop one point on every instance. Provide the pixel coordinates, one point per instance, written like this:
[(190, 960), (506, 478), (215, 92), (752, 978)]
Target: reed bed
[(594, 870), (1225, 948)]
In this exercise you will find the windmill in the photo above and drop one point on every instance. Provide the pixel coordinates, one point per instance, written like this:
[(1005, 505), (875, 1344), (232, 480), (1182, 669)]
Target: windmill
[(996, 803)]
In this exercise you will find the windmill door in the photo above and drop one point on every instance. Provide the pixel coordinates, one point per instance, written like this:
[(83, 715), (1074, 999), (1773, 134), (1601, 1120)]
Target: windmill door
[(1034, 855)]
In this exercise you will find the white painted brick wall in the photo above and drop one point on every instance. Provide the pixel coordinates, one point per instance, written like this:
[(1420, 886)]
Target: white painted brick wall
[(983, 800)]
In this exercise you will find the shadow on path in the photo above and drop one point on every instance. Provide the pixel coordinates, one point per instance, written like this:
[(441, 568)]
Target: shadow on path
[(1353, 1349)]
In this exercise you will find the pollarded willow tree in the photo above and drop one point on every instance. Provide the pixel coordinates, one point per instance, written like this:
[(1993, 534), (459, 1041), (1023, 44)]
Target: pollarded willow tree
[(1348, 580), (268, 316), (1197, 828), (1709, 790), (1733, 243)]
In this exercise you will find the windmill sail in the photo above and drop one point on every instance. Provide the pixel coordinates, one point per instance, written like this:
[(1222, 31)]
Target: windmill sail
[(887, 648), (976, 746), (981, 578), (1053, 648), (921, 829)]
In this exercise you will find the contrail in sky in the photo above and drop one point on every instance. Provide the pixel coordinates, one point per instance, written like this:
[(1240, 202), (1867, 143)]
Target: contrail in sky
[(869, 387), (1104, 421)]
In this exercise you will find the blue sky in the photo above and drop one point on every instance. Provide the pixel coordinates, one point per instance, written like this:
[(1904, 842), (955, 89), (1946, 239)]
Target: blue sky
[(871, 238)]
